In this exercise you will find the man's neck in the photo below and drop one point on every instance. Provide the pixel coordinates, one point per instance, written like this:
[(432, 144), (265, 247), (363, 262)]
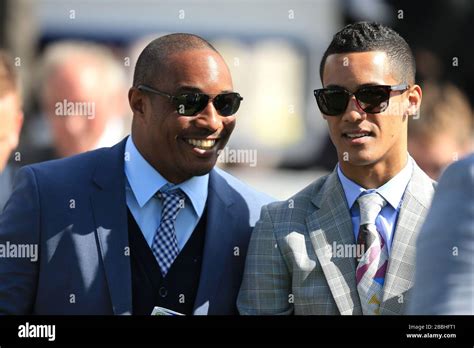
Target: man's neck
[(170, 175), (373, 175)]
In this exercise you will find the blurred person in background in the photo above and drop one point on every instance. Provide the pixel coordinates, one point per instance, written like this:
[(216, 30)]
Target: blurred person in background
[(11, 121), (82, 99), (444, 282), (443, 131)]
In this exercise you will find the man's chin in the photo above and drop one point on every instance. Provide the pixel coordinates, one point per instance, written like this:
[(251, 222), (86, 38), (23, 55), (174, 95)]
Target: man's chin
[(358, 158), (199, 169)]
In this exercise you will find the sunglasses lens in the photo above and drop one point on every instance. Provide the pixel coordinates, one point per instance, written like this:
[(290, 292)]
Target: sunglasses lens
[(332, 102), (191, 103), (227, 104), (373, 99)]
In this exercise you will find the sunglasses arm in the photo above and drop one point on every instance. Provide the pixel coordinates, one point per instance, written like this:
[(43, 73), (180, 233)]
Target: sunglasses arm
[(402, 87), (152, 90)]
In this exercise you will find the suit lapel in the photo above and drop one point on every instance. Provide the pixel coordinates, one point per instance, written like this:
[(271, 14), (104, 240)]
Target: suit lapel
[(110, 216), (220, 222), (401, 267), (330, 225)]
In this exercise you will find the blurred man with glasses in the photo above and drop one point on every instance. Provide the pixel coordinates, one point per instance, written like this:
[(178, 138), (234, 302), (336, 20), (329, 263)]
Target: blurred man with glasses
[(346, 243)]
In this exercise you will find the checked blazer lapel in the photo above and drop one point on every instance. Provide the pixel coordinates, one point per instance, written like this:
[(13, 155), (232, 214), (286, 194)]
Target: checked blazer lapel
[(331, 225), (401, 265)]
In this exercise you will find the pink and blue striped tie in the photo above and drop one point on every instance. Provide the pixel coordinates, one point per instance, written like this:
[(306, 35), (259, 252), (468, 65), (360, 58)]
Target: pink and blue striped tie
[(370, 272)]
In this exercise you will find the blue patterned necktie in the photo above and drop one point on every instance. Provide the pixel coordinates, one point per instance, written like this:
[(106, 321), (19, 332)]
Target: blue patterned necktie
[(370, 272), (165, 244)]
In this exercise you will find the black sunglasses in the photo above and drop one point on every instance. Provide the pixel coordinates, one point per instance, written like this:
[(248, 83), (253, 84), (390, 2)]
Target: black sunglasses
[(190, 104), (372, 99)]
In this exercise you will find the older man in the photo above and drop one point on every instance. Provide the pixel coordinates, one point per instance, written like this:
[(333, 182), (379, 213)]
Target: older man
[(82, 94), (149, 222)]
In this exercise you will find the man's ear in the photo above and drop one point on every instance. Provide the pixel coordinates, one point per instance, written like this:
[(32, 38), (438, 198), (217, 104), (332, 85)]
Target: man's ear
[(414, 100), (137, 102), (15, 134)]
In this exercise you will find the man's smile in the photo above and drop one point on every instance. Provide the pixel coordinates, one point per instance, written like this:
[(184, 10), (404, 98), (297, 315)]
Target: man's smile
[(202, 147), (357, 137), (204, 144)]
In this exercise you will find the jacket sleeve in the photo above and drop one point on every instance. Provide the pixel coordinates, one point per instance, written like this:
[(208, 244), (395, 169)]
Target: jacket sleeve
[(266, 284), (444, 279), (19, 246)]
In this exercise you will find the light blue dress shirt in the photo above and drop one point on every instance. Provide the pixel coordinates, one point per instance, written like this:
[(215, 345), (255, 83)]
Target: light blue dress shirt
[(143, 181), (392, 191)]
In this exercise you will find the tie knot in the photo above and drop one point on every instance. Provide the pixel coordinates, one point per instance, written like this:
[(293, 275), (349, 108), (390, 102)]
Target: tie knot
[(173, 202), (370, 206)]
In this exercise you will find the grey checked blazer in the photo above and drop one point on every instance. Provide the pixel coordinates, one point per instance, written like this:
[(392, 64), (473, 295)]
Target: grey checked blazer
[(290, 271)]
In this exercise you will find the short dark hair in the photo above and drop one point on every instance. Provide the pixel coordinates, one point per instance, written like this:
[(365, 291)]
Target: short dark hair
[(154, 57), (371, 36)]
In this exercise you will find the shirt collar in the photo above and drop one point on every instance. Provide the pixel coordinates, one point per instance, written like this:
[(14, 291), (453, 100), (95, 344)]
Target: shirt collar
[(392, 191), (145, 180)]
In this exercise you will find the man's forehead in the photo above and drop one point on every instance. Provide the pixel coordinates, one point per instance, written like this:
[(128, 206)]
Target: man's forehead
[(357, 68), (375, 58), (198, 69), (195, 58)]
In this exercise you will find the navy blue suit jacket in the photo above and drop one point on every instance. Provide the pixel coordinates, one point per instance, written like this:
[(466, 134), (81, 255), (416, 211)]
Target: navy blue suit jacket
[(75, 210)]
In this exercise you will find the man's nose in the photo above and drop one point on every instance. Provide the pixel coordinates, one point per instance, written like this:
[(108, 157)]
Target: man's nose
[(353, 112), (209, 118)]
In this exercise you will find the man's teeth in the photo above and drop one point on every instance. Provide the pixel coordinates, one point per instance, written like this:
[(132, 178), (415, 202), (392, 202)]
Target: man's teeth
[(358, 135), (202, 144)]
